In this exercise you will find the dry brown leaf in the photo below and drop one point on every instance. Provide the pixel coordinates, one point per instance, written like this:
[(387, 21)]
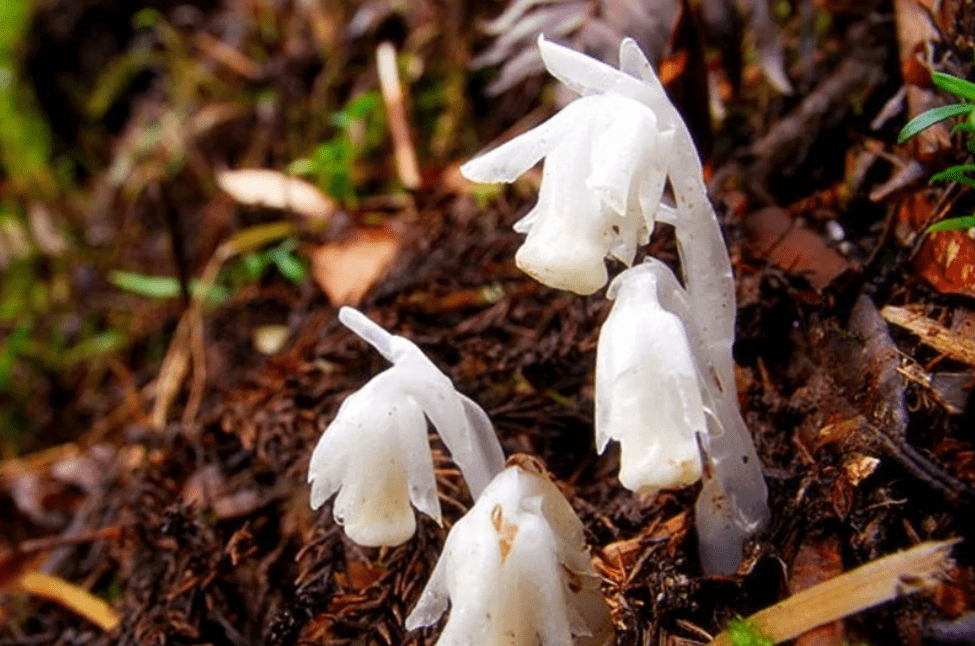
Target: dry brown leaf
[(274, 189), (815, 562), (346, 270), (915, 35), (947, 261), (791, 246)]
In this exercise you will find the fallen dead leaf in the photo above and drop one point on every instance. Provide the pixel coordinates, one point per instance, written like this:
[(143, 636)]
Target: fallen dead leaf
[(274, 189), (947, 261), (789, 245), (346, 270), (815, 562)]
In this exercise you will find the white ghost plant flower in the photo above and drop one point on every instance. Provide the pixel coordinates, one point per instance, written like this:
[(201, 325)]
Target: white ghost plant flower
[(515, 571), (375, 452), (604, 158), (609, 156), (648, 395), (660, 393)]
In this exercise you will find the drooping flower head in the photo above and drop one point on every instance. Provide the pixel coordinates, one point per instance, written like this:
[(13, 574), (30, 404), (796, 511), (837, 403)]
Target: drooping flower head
[(648, 391), (515, 571), (375, 452), (660, 393), (608, 158)]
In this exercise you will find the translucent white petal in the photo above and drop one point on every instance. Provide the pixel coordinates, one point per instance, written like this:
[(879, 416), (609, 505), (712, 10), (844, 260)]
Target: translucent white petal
[(569, 239), (368, 330), (647, 394), (512, 158), (434, 600), (586, 75), (488, 459), (421, 479), (361, 455), (463, 426), (623, 145), (534, 550)]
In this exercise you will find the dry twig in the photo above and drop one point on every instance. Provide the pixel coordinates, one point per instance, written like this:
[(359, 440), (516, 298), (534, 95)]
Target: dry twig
[(932, 333), (869, 585)]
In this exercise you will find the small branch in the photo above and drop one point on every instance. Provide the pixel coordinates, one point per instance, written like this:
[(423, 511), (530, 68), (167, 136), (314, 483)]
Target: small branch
[(399, 129)]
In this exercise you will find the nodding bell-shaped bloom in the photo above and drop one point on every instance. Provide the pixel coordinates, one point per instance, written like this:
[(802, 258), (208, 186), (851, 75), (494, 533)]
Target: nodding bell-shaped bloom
[(608, 157), (605, 167), (516, 572), (648, 395), (660, 392), (375, 452)]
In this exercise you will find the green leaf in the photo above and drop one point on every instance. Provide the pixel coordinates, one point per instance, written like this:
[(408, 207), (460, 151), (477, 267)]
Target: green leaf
[(96, 346), (286, 262), (956, 174), (743, 632), (931, 117), (160, 286), (955, 85), (953, 224), (964, 126)]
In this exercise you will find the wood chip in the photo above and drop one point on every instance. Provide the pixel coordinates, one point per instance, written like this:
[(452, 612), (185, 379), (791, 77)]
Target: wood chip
[(793, 247), (932, 334), (869, 585)]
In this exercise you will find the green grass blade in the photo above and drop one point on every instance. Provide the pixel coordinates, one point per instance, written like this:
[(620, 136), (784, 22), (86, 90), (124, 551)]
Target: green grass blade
[(955, 85), (964, 126), (931, 117), (956, 174), (160, 286), (953, 224)]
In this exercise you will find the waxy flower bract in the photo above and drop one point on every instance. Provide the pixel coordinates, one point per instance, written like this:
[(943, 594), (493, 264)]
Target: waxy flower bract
[(515, 571), (375, 452)]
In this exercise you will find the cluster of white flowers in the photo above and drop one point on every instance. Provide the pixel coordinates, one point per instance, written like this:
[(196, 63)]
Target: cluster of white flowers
[(665, 385), (520, 540)]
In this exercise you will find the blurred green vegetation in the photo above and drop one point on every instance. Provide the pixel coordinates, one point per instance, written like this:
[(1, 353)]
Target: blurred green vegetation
[(25, 139), (361, 130), (167, 103)]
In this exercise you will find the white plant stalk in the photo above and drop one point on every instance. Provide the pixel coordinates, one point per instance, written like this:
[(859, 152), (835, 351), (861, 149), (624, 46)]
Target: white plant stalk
[(375, 452), (515, 572)]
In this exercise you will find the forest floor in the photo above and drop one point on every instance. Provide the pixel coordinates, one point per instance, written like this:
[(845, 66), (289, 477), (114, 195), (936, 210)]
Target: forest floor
[(156, 444)]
